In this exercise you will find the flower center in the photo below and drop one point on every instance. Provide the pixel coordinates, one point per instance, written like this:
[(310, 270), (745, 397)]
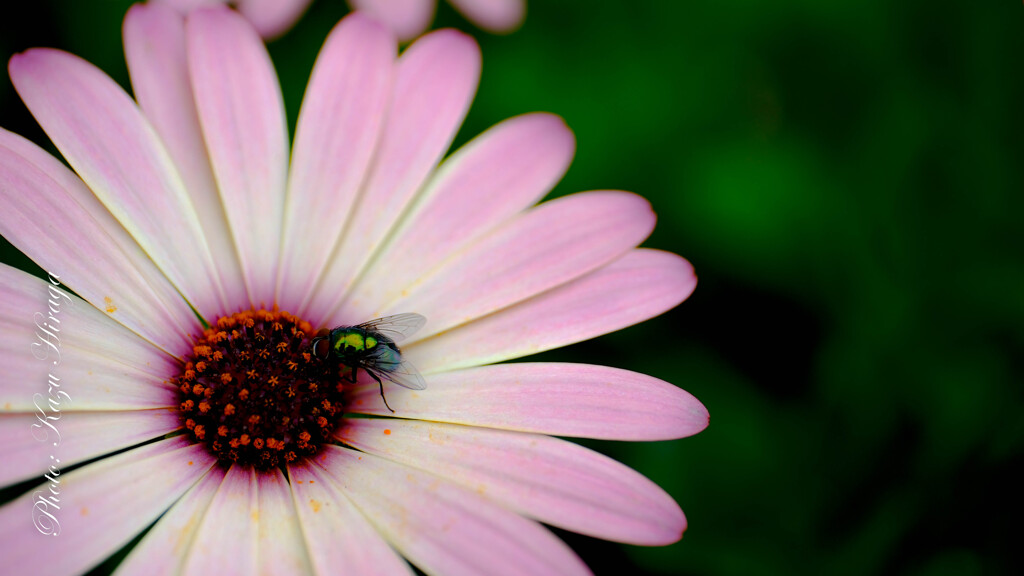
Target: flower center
[(253, 392)]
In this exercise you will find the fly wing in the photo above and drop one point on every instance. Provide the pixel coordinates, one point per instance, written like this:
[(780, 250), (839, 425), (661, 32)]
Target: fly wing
[(404, 374), (397, 327)]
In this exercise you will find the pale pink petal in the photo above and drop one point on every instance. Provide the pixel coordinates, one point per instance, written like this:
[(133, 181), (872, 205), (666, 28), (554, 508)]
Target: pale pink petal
[(407, 18), (337, 133), (154, 45), (484, 183), (493, 15), (271, 18), (242, 117), (52, 217), (107, 140), (30, 439), (444, 528), (250, 528), (577, 400), (102, 507), (637, 286), (94, 360), (162, 550), (280, 543), (543, 248), (434, 85), (225, 542), (551, 480), (337, 533)]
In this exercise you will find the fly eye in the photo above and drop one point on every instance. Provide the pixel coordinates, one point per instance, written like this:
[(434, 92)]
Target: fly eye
[(321, 344)]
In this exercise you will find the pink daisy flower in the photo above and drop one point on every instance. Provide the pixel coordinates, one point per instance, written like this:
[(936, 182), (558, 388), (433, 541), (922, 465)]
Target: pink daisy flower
[(199, 404), (410, 18)]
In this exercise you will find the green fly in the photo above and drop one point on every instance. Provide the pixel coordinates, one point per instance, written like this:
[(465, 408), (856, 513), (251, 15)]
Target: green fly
[(371, 346)]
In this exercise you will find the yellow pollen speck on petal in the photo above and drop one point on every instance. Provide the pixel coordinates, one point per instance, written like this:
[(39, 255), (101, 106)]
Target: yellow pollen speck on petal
[(109, 305), (315, 505)]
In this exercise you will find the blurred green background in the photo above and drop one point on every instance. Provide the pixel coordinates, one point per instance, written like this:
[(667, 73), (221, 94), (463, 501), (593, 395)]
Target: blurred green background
[(847, 178)]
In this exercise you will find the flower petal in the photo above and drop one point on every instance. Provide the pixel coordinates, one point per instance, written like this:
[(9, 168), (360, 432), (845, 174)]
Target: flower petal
[(242, 117), (102, 506), (578, 400), (637, 286), (337, 133), (435, 82), (407, 18), (444, 528), (92, 253), (543, 248), (498, 174), (281, 547), (337, 533), (226, 541), (551, 480), (272, 18), (250, 528), (493, 15), (162, 550), (154, 45), (108, 141), (94, 361), (30, 439)]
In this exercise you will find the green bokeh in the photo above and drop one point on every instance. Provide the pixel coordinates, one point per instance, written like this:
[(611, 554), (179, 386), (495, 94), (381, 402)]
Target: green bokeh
[(846, 177)]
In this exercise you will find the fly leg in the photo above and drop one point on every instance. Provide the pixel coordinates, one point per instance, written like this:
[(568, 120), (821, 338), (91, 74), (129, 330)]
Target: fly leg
[(381, 384)]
